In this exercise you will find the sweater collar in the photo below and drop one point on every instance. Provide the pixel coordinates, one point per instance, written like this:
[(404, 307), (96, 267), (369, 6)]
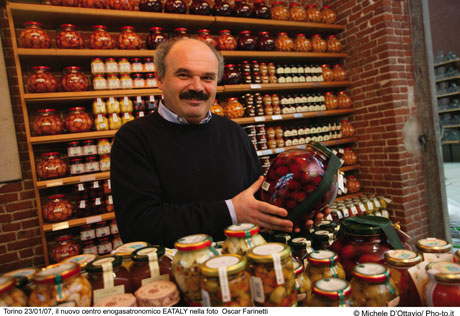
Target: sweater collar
[(174, 118)]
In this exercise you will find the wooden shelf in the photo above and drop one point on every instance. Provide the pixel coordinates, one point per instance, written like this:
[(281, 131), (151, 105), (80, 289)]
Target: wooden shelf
[(70, 137), (350, 168), (72, 180), (448, 111), (284, 86), (451, 142), (447, 62), (348, 196), (235, 54), (448, 94), (78, 222), (452, 126), (285, 117), (334, 142), (447, 79)]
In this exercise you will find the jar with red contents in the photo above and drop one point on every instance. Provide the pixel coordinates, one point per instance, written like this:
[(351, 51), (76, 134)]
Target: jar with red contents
[(87, 232), (80, 191), (121, 5), (175, 6), (265, 42), (151, 5), (57, 209), (443, 289), (78, 120), (64, 248), (353, 184), (319, 45), (279, 11), (231, 75), (51, 166), (74, 80), (34, 36), (95, 189), (261, 10), (327, 73), (149, 264), (339, 73), (181, 32), (89, 247), (98, 206), (95, 4), (284, 43), (205, 36), (242, 9), (67, 3), (128, 38), (69, 37), (222, 8), (47, 123), (200, 7), (344, 100), (313, 14), (327, 15), (101, 39), (246, 41), (226, 41), (333, 44), (41, 80), (349, 157)]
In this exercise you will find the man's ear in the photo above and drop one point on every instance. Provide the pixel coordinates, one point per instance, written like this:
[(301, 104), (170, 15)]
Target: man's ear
[(159, 81)]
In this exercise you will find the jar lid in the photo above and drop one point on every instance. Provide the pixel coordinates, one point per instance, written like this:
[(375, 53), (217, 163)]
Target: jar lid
[(128, 28), (446, 272), (311, 6), (402, 258), (263, 253), (158, 292), (193, 242), (103, 140), (371, 272), (321, 235), (231, 262), (322, 257), (259, 1), (27, 273), (72, 68), (325, 224), (46, 111), (41, 67), (339, 66), (156, 28), (281, 238), (229, 65), (294, 4), (77, 108), (56, 196), (56, 273), (100, 27), (352, 227), (126, 250), (263, 33), (89, 141), (332, 288), (64, 237), (246, 32), (137, 75), (282, 33), (149, 75), (96, 265), (33, 23), (325, 7), (224, 31), (242, 230), (331, 36), (144, 254), (148, 60), (181, 29), (110, 59), (433, 245), (299, 243), (67, 25), (203, 30), (232, 99), (298, 266), (7, 283), (278, 2), (82, 260)]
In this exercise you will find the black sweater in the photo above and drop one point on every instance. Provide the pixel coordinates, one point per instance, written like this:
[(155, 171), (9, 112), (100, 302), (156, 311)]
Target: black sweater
[(171, 180)]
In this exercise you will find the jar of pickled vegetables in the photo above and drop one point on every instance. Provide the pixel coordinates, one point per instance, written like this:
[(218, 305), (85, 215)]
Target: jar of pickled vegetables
[(327, 73), (313, 14), (175, 6), (222, 8), (126, 82), (47, 123), (434, 249), (111, 66), (60, 284), (10, 295), (101, 123), (57, 209), (241, 237), (51, 166), (99, 82), (205, 36), (279, 11), (233, 108), (74, 80), (226, 41), (113, 105), (371, 286), (302, 43), (121, 5), (101, 39), (69, 37), (261, 10), (151, 5), (242, 9), (330, 292), (34, 36), (192, 251), (225, 281), (156, 37), (319, 45), (399, 262), (78, 120), (149, 264), (65, 247), (339, 73), (302, 282), (272, 275), (284, 43), (41, 80), (24, 276), (115, 121), (327, 15), (126, 117), (297, 13), (333, 44), (246, 41), (95, 4), (265, 42), (324, 264), (128, 38), (443, 288), (200, 7), (216, 108)]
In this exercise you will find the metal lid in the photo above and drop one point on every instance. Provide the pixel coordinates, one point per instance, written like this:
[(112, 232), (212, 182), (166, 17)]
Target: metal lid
[(56, 273), (242, 230), (144, 254), (127, 249), (433, 245), (193, 242), (231, 262), (7, 283), (28, 273), (96, 265), (332, 288), (371, 272), (82, 260), (264, 253), (402, 258), (322, 257)]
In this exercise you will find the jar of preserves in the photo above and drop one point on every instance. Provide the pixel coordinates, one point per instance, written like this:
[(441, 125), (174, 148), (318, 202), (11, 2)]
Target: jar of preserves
[(284, 43), (97, 66), (108, 199), (61, 284), (175, 6), (113, 82), (181, 32), (99, 82), (265, 42), (205, 36), (51, 166), (69, 37), (115, 121), (272, 275), (41, 80), (222, 8), (156, 37), (74, 149), (333, 44), (104, 164), (319, 45), (150, 80), (302, 43), (103, 146), (128, 38), (111, 66), (87, 232), (301, 246), (34, 36), (434, 249), (443, 288), (327, 73), (399, 262), (47, 123), (121, 5), (126, 105), (331, 101), (339, 73), (297, 13), (327, 15), (102, 229), (65, 247), (279, 11), (261, 10), (226, 41), (113, 105), (149, 66), (74, 80), (302, 283), (138, 80), (124, 66), (149, 264), (10, 295), (344, 100), (101, 123), (80, 191), (330, 292), (57, 209), (101, 39), (104, 246), (233, 108), (126, 82), (192, 251), (231, 75), (126, 117), (217, 109), (126, 250), (353, 184), (78, 120), (313, 14), (98, 204), (139, 104), (107, 277), (83, 208), (323, 264), (242, 9), (225, 283), (151, 5), (371, 286), (95, 189), (95, 4), (241, 237), (200, 7)]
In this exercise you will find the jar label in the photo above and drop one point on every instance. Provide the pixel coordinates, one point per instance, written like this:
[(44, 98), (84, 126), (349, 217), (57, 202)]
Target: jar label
[(257, 289), (102, 231), (77, 169), (105, 165), (205, 299), (110, 199), (126, 83), (268, 249), (87, 234), (82, 204), (92, 166), (149, 67), (137, 67), (419, 276), (354, 210), (192, 239), (444, 267), (377, 203), (97, 68), (74, 151), (278, 268), (222, 262), (164, 277), (322, 254), (223, 281), (109, 184), (96, 185), (433, 257), (92, 249), (432, 242), (331, 284), (89, 150), (104, 149), (124, 67)]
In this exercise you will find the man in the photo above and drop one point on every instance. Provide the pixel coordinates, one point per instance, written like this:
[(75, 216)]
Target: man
[(182, 170)]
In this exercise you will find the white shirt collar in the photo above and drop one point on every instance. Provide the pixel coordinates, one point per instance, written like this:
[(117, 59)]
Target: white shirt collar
[(172, 117)]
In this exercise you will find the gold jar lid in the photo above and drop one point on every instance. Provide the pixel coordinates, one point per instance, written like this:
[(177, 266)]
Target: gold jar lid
[(242, 230), (232, 263), (27, 273), (371, 272), (56, 273), (81, 260), (193, 242), (433, 245), (125, 251), (264, 253), (322, 257), (402, 258), (449, 273), (332, 288)]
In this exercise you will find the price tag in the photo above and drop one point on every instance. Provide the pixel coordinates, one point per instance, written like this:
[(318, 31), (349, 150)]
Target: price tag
[(139, 99), (301, 147), (298, 115), (125, 100), (99, 102), (319, 113), (341, 184), (152, 98), (316, 84), (279, 150), (87, 178), (60, 226), (255, 86), (259, 119), (93, 219), (267, 152), (277, 117), (54, 183)]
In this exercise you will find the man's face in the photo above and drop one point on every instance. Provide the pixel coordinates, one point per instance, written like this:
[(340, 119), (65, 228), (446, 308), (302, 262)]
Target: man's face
[(190, 80)]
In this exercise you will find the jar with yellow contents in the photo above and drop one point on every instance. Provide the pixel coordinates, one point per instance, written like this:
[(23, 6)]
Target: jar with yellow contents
[(302, 282), (101, 123), (330, 292), (241, 238), (25, 279), (272, 275), (125, 251), (113, 105), (324, 264), (10, 295), (126, 117), (434, 249), (233, 109), (99, 107), (115, 121), (457, 256), (225, 282), (372, 286)]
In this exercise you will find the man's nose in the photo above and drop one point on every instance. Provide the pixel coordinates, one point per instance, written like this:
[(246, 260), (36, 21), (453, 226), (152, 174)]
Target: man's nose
[(196, 84)]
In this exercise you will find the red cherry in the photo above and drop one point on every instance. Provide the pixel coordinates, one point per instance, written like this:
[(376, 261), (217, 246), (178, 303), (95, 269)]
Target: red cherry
[(370, 257), (294, 168), (293, 185), (278, 202), (309, 188), (315, 181), (302, 162), (284, 193), (279, 162), (271, 175), (281, 171), (347, 252), (291, 204), (299, 196), (305, 178)]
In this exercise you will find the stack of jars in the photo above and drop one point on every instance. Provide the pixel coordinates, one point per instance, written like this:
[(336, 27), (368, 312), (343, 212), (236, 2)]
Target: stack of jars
[(100, 238), (93, 198), (42, 81), (257, 135), (362, 205), (299, 73), (89, 156), (295, 12)]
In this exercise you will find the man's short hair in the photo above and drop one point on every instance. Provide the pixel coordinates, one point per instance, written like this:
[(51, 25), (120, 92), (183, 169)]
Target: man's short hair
[(162, 51)]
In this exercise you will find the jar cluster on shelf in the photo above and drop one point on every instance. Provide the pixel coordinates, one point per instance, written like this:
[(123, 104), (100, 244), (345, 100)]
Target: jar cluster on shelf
[(93, 198), (100, 238), (362, 205)]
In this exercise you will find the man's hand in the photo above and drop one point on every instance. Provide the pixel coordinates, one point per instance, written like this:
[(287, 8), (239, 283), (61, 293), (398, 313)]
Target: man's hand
[(318, 219), (250, 210)]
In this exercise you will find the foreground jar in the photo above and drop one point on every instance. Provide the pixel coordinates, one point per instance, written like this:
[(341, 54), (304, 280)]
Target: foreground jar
[(125, 251), (272, 275), (149, 264), (434, 249), (443, 288), (323, 264), (33, 36), (10, 295), (61, 284), (241, 238), (225, 282), (330, 292), (57, 209)]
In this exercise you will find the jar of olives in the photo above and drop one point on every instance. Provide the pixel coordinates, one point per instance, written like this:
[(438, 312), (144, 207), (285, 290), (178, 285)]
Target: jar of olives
[(78, 120), (101, 39), (284, 43), (313, 14), (175, 6), (151, 5), (128, 38), (222, 8), (246, 41), (242, 237), (156, 37), (205, 36), (233, 109), (297, 13), (57, 209), (242, 9), (65, 247), (324, 264), (302, 43), (330, 292), (261, 10), (34, 36), (327, 15), (226, 41), (279, 11), (200, 7), (121, 5), (302, 283), (69, 37), (74, 80), (51, 166), (265, 42), (41, 80)]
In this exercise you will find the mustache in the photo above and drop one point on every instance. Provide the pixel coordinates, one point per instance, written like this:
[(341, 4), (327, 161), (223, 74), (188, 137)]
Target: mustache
[(194, 95)]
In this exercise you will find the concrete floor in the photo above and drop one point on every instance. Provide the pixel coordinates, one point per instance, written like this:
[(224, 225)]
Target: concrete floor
[(452, 176)]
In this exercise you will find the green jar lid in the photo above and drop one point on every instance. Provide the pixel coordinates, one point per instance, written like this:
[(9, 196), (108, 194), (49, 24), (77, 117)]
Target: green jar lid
[(374, 226), (96, 265)]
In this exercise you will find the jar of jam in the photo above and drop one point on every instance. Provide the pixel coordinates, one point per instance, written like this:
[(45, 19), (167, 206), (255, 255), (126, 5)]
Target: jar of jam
[(87, 232), (175, 6), (108, 276), (78, 120), (74, 80), (47, 123), (104, 246), (222, 8), (89, 247), (333, 44), (301, 246), (149, 66), (313, 14), (231, 288), (324, 264), (101, 39), (150, 80), (434, 249), (107, 186), (103, 146), (443, 288), (139, 104), (231, 75), (261, 10), (69, 37), (149, 264), (102, 229), (327, 73), (297, 13), (242, 9), (113, 105), (104, 165), (241, 237), (111, 66), (181, 32), (330, 292), (95, 4), (126, 250), (200, 7), (41, 80), (138, 80), (98, 206), (265, 42), (121, 5), (156, 37), (371, 285), (272, 275), (83, 208), (34, 36), (51, 166), (284, 43), (327, 15), (279, 11), (226, 41), (57, 209), (192, 251), (65, 247), (128, 38), (319, 45), (151, 5), (233, 109), (339, 73), (124, 66), (113, 82), (80, 191), (126, 105), (60, 284)]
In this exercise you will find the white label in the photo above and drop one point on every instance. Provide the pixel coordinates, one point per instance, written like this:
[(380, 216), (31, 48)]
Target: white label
[(205, 299), (257, 290), (74, 151), (278, 268), (345, 212), (92, 166), (115, 117), (192, 239), (92, 219), (354, 210), (60, 226), (153, 263), (259, 119), (268, 249), (255, 86), (101, 293), (277, 117), (385, 214), (322, 254), (377, 203), (370, 206), (223, 280), (370, 268), (89, 150)]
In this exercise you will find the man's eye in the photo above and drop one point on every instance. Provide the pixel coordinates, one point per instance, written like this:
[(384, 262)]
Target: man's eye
[(182, 75), (209, 78)]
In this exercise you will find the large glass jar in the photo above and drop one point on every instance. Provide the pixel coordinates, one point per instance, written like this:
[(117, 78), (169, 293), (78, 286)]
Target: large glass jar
[(443, 289), (327, 15), (319, 45), (51, 166), (26, 274), (128, 38), (121, 5), (57, 209), (108, 276), (313, 14), (217, 109), (399, 262), (279, 11), (151, 5), (327, 73), (205, 36), (330, 292), (65, 247), (434, 249), (284, 43), (246, 41), (233, 109), (222, 8), (344, 100), (181, 32), (228, 289), (261, 10), (371, 286), (272, 275), (175, 6), (333, 44), (303, 284), (339, 73), (265, 42), (200, 7), (330, 100), (10, 295), (34, 36), (74, 80), (302, 43), (69, 37), (297, 13), (349, 157), (226, 41), (101, 39), (323, 264), (61, 284), (192, 251), (149, 264), (457, 256), (47, 123), (41, 80), (78, 120), (242, 9), (242, 237), (95, 4)]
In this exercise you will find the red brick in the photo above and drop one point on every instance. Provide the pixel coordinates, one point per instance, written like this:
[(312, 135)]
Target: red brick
[(24, 214), (19, 206), (28, 243), (26, 253), (11, 227), (9, 197), (30, 223), (11, 187)]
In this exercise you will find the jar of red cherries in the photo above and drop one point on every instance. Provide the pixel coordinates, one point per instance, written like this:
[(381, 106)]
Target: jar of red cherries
[(265, 42), (156, 37), (34, 36), (121, 5), (128, 38), (175, 6), (47, 123), (69, 37), (222, 8), (200, 7), (64, 248), (261, 10), (246, 41), (78, 120), (57, 209), (151, 5), (74, 80), (226, 41), (242, 9), (101, 39), (41, 80)]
